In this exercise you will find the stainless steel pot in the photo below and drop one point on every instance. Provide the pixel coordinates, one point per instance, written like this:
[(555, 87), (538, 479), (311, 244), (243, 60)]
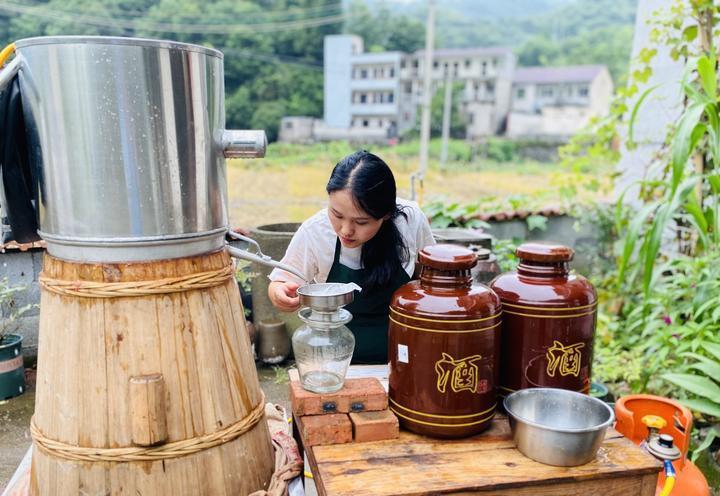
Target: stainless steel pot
[(556, 426), (128, 139)]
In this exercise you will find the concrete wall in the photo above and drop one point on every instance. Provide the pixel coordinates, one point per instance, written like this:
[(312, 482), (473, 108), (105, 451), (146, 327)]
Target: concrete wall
[(296, 130), (561, 229), (22, 268), (661, 108)]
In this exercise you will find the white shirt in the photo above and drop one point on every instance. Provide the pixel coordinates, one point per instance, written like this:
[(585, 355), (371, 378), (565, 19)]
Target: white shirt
[(312, 248)]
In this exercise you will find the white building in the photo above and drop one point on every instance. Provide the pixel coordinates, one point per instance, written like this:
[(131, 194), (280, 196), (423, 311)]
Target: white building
[(371, 97), (557, 101), (376, 96), (485, 75), (360, 91)]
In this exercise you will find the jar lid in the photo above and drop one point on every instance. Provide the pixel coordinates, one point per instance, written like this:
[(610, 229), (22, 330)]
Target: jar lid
[(544, 252), (447, 257)]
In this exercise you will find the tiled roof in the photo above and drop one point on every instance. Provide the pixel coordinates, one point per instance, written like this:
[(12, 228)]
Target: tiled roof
[(520, 214), (14, 245), (549, 75)]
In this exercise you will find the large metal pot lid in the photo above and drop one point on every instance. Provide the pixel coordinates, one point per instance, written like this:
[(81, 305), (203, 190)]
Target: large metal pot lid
[(116, 40)]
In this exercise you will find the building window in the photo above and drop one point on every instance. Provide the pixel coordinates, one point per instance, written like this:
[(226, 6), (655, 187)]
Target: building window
[(520, 93), (288, 125), (490, 89), (363, 74), (392, 72), (402, 64), (408, 88), (468, 62), (546, 91), (583, 91), (455, 68), (483, 70), (363, 98), (415, 63), (366, 123), (391, 97), (436, 65)]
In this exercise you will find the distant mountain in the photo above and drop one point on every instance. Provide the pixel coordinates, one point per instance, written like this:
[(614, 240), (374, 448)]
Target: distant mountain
[(542, 32), (497, 9), (475, 9)]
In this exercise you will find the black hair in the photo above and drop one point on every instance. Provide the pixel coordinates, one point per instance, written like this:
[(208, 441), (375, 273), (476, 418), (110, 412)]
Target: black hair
[(372, 185)]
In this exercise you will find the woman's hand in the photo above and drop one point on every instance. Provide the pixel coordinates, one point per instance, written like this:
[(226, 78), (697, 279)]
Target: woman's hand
[(283, 295)]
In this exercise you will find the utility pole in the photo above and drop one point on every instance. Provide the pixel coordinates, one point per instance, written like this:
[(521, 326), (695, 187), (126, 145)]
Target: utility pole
[(447, 110), (426, 102)]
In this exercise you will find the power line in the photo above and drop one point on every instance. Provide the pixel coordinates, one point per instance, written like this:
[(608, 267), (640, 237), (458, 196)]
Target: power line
[(274, 58), (321, 10), (105, 22)]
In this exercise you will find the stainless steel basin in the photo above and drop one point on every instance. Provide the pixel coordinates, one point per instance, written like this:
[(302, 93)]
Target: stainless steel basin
[(557, 427)]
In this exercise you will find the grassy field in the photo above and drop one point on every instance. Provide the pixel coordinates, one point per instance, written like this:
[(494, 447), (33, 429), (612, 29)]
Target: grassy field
[(289, 184)]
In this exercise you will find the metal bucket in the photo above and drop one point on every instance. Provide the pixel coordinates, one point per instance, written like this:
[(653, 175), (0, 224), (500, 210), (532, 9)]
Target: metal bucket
[(127, 138)]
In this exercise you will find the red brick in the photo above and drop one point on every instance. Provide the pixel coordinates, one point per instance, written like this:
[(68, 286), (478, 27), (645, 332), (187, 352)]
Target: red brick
[(366, 394), (374, 426), (325, 429), (304, 402)]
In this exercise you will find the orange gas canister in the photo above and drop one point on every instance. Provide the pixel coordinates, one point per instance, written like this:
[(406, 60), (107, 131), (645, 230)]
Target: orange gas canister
[(640, 416)]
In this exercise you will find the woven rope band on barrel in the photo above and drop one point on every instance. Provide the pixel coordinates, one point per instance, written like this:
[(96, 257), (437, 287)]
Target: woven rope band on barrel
[(134, 454), (92, 289)]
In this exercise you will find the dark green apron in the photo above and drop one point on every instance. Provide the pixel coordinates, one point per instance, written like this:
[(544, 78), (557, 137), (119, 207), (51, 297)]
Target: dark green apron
[(369, 309)]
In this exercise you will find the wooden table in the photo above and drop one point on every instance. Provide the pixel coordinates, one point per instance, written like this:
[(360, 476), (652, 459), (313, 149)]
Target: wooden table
[(484, 464)]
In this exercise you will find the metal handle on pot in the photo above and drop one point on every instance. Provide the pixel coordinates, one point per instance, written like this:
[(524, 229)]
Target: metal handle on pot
[(259, 257), (244, 144)]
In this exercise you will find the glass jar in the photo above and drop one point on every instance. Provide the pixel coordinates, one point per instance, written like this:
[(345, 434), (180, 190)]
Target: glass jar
[(444, 345), (549, 317), (323, 348)]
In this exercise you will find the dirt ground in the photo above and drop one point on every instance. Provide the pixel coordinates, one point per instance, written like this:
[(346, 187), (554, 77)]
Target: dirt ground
[(263, 194)]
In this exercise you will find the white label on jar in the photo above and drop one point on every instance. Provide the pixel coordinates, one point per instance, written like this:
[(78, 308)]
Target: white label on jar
[(403, 353)]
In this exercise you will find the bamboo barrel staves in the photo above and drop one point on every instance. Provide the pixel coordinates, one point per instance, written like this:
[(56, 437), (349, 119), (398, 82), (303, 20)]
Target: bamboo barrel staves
[(146, 382)]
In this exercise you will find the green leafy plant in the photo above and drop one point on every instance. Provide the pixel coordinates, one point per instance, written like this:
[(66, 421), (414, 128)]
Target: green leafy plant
[(454, 214), (702, 381), (281, 373), (538, 222)]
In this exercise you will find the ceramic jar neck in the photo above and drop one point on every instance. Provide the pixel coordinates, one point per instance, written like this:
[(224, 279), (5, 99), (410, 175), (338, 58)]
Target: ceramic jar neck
[(543, 269), (445, 278)]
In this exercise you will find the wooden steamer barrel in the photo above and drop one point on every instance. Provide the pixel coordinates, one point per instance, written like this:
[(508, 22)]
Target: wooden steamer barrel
[(549, 317), (444, 346), (146, 382)]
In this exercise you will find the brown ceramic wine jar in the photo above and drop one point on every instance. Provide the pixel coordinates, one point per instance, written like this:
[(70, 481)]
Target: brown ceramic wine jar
[(444, 346), (549, 317)]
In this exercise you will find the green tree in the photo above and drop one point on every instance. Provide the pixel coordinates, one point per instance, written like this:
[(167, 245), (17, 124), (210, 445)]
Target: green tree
[(280, 67), (384, 30)]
